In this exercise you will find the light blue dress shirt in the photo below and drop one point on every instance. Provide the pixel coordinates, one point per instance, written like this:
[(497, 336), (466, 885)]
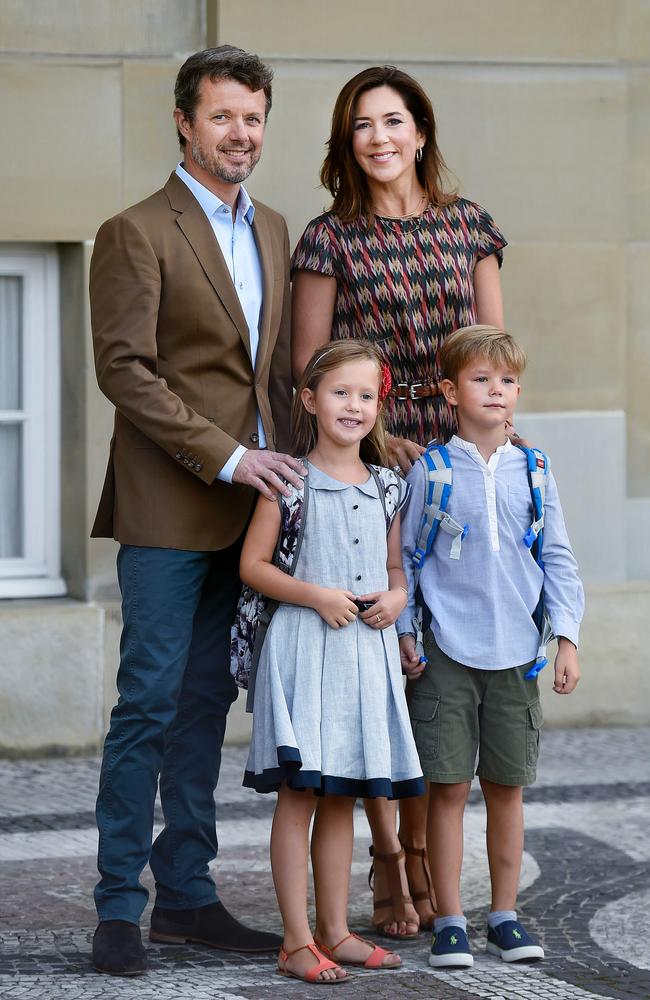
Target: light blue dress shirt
[(481, 604), (237, 244)]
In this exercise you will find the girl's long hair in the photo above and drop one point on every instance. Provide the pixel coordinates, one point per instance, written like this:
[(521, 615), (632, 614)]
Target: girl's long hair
[(304, 428), (342, 175)]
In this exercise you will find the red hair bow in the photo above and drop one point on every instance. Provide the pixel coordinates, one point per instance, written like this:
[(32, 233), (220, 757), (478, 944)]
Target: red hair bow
[(385, 382)]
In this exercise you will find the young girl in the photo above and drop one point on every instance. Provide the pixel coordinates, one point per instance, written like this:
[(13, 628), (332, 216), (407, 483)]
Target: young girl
[(330, 716)]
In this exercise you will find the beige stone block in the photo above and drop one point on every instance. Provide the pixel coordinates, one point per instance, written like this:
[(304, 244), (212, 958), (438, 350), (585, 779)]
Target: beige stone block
[(50, 676), (537, 147), (60, 176), (615, 685), (638, 189), (76, 27), (566, 304), (638, 369), (634, 30), (543, 149), (150, 146), (376, 30)]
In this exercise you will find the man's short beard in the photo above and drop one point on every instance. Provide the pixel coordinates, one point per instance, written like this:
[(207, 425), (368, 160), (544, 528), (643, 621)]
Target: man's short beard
[(235, 175)]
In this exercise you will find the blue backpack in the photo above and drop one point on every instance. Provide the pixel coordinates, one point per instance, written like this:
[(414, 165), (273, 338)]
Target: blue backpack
[(438, 486)]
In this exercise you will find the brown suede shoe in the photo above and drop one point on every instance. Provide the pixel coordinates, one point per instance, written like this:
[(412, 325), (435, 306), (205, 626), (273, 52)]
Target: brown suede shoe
[(211, 925)]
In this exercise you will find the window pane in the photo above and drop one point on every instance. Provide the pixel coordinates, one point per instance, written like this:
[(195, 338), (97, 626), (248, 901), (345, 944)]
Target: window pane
[(11, 317), (11, 492)]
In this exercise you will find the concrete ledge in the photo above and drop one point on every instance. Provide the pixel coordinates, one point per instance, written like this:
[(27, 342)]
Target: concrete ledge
[(59, 661)]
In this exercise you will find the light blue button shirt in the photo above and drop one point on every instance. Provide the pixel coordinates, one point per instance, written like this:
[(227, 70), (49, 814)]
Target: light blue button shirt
[(237, 244), (481, 604)]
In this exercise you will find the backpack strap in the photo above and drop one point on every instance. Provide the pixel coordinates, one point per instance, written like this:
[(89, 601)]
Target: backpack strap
[(438, 483), (539, 468), (293, 516), (388, 487)]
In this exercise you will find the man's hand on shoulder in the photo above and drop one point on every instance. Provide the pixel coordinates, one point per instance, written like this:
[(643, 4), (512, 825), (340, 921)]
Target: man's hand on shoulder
[(265, 470)]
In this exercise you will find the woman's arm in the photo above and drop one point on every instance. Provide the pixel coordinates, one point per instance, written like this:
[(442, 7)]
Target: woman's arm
[(312, 311), (257, 570), (487, 292)]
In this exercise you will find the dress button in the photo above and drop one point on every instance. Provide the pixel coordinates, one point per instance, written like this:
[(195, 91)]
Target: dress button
[(356, 541), (356, 507), (255, 437), (358, 577)]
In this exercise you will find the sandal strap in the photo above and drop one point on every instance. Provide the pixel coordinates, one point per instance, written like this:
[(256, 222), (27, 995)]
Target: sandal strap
[(417, 852), (375, 959), (311, 975)]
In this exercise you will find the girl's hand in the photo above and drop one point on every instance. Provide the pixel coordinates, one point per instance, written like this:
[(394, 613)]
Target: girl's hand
[(412, 663), (402, 452), (334, 606), (386, 608), (567, 668)]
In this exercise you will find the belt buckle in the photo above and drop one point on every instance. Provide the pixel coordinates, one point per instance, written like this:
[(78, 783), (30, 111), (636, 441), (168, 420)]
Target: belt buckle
[(413, 387), (401, 385)]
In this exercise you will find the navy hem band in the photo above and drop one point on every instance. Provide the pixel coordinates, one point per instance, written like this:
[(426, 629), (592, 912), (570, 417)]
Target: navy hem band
[(290, 770)]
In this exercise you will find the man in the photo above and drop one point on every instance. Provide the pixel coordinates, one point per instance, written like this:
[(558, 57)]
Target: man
[(190, 316)]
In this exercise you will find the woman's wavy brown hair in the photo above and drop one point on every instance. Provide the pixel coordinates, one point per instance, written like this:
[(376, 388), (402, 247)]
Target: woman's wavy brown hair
[(304, 427), (342, 175)]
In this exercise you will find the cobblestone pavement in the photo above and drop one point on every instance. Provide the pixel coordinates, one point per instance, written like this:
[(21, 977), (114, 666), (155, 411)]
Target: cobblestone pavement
[(585, 888)]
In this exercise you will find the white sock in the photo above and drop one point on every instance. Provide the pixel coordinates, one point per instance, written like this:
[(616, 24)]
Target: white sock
[(496, 917), (440, 923)]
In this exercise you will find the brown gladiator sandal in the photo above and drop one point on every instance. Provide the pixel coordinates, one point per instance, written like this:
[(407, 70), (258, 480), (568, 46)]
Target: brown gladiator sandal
[(425, 897), (393, 908)]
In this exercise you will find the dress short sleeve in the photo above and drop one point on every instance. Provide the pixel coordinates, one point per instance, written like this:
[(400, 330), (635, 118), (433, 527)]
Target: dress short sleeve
[(315, 250), (490, 239)]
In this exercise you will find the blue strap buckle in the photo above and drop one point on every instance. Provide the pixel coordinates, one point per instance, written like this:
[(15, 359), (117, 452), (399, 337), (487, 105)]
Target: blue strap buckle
[(536, 668), (529, 538)]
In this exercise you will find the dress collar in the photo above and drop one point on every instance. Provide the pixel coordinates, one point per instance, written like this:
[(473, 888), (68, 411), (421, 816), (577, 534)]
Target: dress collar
[(319, 480)]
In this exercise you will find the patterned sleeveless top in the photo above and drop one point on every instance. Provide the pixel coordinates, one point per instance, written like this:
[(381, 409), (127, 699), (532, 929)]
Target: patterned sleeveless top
[(405, 285)]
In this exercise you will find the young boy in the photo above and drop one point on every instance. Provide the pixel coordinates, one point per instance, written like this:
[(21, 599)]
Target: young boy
[(472, 696)]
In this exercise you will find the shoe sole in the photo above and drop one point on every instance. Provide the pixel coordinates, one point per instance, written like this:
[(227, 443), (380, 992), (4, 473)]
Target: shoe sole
[(157, 937), (451, 961), (121, 975), (529, 952)]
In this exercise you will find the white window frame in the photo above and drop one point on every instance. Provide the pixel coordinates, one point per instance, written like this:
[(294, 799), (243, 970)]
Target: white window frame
[(38, 572)]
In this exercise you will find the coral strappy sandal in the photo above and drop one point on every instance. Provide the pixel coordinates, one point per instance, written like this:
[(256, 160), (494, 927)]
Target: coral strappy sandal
[(375, 959), (312, 974)]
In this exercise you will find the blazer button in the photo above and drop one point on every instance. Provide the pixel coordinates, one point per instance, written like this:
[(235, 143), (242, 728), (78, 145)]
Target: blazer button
[(198, 466), (186, 461), (255, 437), (178, 456)]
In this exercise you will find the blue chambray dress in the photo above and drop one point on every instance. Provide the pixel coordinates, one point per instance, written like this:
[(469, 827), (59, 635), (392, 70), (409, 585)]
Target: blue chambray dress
[(329, 710)]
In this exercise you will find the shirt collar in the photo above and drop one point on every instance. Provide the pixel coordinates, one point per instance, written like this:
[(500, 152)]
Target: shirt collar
[(211, 203), (472, 450)]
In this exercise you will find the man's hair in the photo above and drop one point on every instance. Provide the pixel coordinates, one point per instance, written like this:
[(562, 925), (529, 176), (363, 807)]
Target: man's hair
[(226, 62), (342, 175), (304, 427), (469, 343)]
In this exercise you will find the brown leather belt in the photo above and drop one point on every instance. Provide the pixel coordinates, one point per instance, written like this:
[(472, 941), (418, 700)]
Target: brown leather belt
[(415, 390)]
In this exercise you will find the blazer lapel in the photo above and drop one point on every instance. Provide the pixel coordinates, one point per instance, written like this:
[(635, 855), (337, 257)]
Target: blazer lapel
[(199, 234), (265, 250)]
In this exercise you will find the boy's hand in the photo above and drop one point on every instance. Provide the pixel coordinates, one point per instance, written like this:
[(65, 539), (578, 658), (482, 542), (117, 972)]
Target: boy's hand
[(412, 663), (386, 608), (567, 668), (334, 606)]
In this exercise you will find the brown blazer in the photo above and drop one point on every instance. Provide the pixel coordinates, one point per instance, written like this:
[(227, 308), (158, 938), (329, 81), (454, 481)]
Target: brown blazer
[(172, 353)]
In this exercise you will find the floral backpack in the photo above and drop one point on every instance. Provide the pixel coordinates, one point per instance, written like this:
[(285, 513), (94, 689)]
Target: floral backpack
[(254, 610)]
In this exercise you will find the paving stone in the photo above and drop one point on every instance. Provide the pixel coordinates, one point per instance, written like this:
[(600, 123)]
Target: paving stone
[(585, 883)]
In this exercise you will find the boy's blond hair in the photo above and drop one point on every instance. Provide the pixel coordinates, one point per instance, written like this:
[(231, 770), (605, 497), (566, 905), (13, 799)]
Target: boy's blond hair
[(472, 342)]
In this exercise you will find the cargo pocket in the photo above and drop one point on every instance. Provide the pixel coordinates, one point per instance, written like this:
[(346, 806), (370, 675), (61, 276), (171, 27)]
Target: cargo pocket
[(425, 720), (534, 722)]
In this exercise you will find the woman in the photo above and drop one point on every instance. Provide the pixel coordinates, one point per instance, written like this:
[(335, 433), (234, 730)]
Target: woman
[(400, 262)]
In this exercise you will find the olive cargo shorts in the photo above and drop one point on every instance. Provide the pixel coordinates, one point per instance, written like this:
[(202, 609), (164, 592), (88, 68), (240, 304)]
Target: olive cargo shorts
[(458, 712)]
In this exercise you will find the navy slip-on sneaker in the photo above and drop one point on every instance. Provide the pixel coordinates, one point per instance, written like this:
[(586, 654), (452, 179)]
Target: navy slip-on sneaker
[(512, 942), (450, 949)]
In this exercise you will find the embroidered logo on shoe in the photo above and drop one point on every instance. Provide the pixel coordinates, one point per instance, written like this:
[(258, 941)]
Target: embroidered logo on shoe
[(453, 939), (516, 934)]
